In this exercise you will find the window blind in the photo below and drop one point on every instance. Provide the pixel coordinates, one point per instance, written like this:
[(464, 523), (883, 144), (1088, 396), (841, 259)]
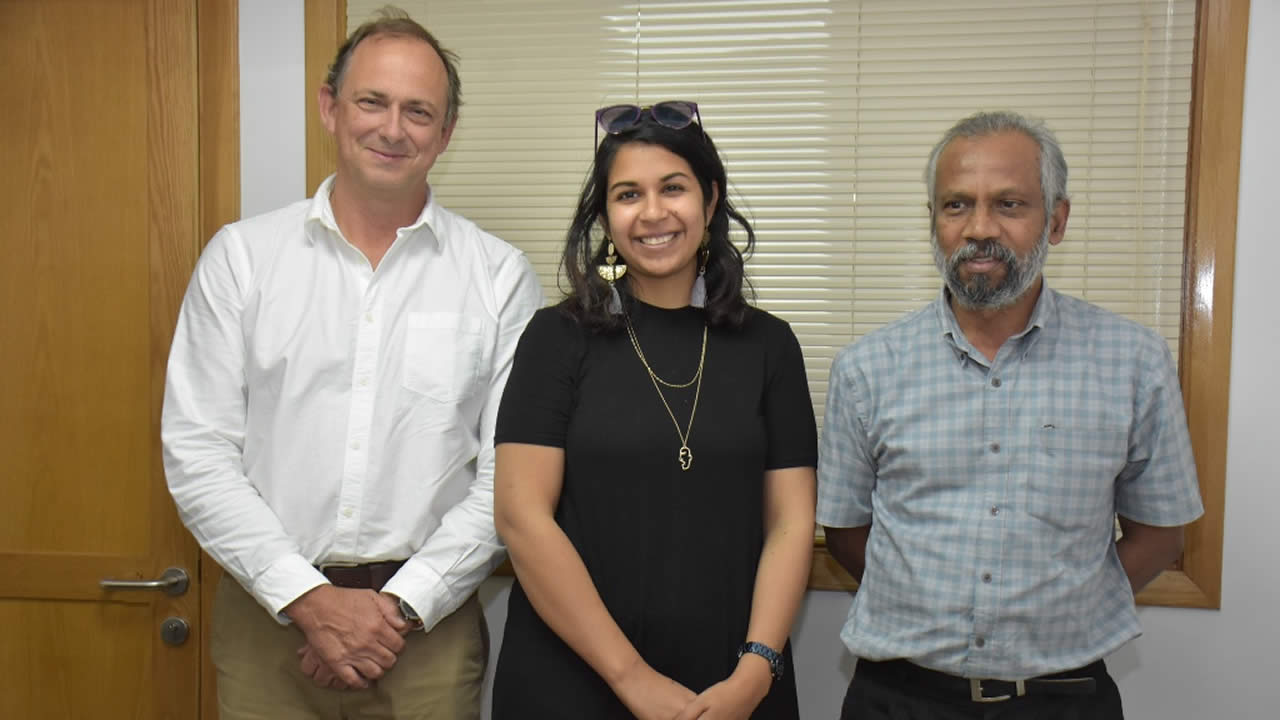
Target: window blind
[(825, 112)]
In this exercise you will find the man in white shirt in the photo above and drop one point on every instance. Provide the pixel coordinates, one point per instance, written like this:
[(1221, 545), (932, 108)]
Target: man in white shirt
[(329, 413)]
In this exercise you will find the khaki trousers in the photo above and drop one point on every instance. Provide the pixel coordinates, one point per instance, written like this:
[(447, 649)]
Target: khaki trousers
[(438, 675)]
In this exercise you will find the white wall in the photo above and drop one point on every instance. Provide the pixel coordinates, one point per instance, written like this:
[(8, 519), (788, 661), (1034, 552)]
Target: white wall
[(272, 117), (1214, 664), (1190, 663)]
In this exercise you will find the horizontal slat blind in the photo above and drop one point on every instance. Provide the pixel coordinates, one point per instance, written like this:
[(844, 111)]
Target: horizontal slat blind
[(825, 113)]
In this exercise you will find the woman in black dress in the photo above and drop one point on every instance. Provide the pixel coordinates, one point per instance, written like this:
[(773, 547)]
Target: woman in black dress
[(655, 458)]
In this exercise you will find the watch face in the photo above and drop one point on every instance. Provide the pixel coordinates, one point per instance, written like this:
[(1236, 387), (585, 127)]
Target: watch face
[(407, 611)]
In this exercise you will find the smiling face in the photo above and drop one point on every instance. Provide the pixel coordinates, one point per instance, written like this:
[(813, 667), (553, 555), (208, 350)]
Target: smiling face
[(388, 116), (657, 216), (990, 234)]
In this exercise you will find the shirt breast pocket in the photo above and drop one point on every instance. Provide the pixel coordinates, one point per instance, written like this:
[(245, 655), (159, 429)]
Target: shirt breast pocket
[(444, 354), (1072, 479)]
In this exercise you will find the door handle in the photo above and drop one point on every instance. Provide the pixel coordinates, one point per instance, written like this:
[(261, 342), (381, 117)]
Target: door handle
[(174, 581)]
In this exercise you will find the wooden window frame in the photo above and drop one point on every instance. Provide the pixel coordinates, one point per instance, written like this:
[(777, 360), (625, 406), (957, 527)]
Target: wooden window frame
[(1204, 352)]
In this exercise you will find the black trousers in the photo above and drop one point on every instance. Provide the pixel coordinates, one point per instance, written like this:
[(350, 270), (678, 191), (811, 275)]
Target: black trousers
[(878, 693)]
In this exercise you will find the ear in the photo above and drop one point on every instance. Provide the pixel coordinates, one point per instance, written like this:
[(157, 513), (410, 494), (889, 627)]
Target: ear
[(328, 103), (446, 134), (1058, 221), (711, 202)]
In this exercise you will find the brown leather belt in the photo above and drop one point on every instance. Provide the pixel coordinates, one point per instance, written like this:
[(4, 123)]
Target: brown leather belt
[(367, 576), (1081, 681)]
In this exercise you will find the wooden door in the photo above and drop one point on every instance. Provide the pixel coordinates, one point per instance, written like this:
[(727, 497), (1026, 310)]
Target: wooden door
[(100, 177)]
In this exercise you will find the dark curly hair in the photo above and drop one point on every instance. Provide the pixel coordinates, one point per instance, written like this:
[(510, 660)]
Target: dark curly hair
[(588, 295)]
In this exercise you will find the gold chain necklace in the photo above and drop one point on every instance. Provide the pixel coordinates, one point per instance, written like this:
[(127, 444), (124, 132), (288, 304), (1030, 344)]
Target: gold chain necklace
[(686, 455)]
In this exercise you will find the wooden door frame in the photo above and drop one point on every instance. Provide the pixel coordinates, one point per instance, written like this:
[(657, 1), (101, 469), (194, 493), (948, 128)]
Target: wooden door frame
[(324, 29), (218, 70)]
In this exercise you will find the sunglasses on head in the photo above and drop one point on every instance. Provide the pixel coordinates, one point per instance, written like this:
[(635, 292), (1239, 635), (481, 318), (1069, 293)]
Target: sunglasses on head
[(674, 114)]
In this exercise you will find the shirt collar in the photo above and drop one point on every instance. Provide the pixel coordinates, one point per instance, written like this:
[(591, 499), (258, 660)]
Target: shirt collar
[(1042, 315), (1045, 311), (320, 215)]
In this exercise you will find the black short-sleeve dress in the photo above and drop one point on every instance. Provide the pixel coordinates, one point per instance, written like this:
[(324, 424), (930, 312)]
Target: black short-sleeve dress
[(672, 552)]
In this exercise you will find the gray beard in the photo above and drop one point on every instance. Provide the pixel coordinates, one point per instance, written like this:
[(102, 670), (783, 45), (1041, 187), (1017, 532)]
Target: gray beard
[(979, 293)]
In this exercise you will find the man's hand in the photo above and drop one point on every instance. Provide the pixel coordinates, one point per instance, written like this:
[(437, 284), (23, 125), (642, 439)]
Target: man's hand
[(349, 635), (735, 697), (313, 667), (650, 695)]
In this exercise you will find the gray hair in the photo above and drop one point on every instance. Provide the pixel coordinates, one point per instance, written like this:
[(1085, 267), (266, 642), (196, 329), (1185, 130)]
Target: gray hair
[(1053, 166)]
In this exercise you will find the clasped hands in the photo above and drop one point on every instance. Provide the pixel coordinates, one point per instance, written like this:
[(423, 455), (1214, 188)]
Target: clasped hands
[(650, 695), (353, 636)]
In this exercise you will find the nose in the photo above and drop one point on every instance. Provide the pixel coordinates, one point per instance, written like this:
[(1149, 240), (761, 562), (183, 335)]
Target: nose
[(392, 128), (653, 209), (980, 225)]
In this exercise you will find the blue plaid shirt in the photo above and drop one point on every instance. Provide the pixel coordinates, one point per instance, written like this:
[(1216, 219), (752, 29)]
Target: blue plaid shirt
[(994, 486)]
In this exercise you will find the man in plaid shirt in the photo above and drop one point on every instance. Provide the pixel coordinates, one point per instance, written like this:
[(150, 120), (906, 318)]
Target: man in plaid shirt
[(976, 454)]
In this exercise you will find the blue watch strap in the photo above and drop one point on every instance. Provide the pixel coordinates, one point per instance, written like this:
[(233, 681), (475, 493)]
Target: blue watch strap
[(776, 664)]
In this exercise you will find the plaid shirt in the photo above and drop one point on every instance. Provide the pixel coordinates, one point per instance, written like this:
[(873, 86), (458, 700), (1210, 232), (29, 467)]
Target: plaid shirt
[(994, 486)]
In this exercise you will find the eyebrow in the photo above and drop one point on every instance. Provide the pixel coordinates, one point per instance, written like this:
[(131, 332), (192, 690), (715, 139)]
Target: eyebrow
[(1001, 193), (664, 178), (383, 96)]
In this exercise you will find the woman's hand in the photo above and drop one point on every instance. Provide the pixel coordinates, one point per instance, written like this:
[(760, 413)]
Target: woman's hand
[(649, 694), (735, 697)]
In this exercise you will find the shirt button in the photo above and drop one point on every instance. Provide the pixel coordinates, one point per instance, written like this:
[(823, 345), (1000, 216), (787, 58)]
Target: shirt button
[(986, 578), (368, 317), (995, 382), (995, 511), (347, 512), (355, 445), (364, 381), (980, 642), (995, 447)]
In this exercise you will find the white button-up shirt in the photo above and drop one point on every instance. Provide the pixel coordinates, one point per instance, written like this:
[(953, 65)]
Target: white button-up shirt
[(319, 410)]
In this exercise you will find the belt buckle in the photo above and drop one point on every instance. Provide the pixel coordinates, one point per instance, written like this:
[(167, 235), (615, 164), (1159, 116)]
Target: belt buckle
[(337, 566), (975, 691)]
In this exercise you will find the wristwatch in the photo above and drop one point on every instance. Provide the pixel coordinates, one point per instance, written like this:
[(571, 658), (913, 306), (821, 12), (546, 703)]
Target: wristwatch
[(409, 614), (777, 665)]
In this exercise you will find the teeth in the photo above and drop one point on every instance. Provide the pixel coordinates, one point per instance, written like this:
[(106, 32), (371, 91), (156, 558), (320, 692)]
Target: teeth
[(656, 239)]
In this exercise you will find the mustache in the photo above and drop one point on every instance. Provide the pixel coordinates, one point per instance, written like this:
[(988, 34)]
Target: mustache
[(981, 250)]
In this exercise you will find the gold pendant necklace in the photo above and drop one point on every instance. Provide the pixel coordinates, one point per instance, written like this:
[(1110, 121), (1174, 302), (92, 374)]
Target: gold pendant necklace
[(685, 456)]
